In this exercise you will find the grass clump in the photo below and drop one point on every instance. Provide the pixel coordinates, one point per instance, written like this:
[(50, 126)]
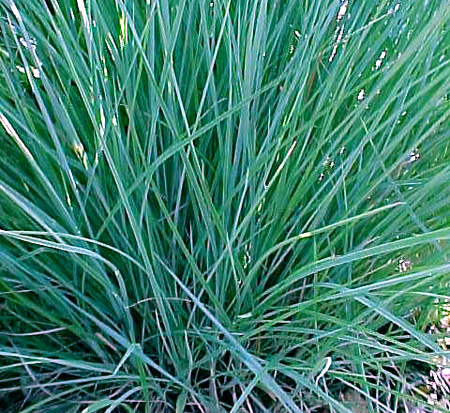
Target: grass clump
[(222, 206)]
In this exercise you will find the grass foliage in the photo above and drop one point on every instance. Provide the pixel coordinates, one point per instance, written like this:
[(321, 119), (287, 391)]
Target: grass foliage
[(221, 206)]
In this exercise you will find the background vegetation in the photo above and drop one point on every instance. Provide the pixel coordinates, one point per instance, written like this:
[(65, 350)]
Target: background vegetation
[(222, 206)]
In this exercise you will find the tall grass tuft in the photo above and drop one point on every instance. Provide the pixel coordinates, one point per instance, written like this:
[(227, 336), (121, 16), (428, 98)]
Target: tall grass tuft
[(222, 206)]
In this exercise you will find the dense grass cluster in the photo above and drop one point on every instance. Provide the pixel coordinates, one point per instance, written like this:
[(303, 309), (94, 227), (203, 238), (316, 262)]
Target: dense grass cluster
[(222, 206)]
